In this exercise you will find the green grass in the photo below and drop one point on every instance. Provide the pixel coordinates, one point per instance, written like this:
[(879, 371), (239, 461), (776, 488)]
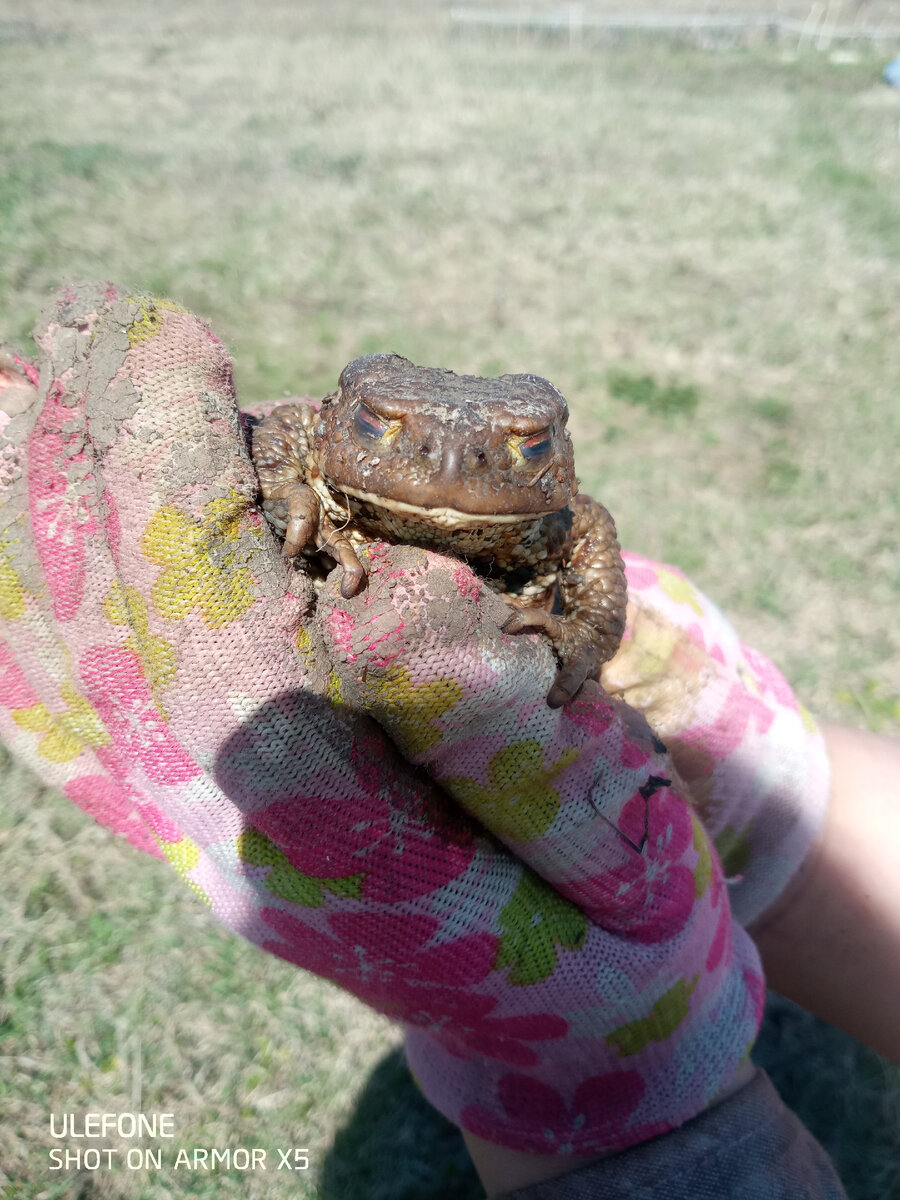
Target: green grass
[(658, 399), (700, 249)]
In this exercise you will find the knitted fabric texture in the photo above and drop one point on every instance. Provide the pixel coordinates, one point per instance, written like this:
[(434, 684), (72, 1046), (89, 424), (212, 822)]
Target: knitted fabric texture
[(563, 953), (751, 755)]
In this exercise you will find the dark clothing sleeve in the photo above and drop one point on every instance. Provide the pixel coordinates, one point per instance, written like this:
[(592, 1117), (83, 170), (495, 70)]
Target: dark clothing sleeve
[(750, 1146)]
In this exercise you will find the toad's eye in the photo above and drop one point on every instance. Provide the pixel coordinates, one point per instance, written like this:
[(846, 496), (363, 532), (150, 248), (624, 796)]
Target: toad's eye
[(368, 424), (536, 445)]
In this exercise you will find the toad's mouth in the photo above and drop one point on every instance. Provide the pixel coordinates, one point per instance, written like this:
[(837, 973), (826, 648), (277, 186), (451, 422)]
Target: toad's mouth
[(440, 515)]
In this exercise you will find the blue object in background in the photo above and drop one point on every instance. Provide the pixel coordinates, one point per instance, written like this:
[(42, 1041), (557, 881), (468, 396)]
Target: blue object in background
[(891, 73)]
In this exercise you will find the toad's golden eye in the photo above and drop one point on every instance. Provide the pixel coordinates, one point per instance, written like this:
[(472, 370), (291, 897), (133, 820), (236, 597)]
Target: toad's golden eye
[(369, 424), (536, 445)]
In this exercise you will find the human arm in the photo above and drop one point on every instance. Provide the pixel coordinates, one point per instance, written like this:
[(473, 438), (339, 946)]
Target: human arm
[(832, 941)]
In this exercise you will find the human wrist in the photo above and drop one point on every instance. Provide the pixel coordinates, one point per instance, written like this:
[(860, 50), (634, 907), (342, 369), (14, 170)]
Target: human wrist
[(832, 943), (502, 1170)]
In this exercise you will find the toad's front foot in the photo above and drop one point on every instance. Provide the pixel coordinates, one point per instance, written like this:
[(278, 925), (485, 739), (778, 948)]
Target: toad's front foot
[(331, 541), (294, 510), (581, 647)]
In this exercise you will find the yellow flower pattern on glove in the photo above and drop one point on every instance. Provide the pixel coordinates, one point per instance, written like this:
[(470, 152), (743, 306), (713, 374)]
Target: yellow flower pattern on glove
[(415, 706), (704, 868), (12, 590), (200, 573), (149, 319), (735, 849), (519, 803), (126, 606), (679, 590), (67, 733), (184, 855)]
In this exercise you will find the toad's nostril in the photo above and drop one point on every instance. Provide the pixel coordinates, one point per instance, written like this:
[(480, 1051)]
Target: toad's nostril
[(424, 451)]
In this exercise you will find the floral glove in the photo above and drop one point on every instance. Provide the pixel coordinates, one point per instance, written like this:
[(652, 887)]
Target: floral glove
[(633, 944), (566, 962), (752, 757)]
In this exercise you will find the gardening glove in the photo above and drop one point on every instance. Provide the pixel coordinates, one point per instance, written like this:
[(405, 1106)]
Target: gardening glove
[(751, 755), (565, 960), (622, 874)]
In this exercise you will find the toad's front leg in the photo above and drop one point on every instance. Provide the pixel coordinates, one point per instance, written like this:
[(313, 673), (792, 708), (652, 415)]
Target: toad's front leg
[(593, 592), (281, 455)]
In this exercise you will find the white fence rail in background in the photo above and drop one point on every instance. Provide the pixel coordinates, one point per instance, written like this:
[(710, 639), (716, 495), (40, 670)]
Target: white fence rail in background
[(818, 27)]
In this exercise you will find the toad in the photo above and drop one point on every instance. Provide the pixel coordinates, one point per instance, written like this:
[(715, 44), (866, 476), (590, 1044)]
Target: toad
[(479, 468)]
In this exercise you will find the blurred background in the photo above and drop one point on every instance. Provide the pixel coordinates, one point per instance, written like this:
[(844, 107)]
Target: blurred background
[(688, 218)]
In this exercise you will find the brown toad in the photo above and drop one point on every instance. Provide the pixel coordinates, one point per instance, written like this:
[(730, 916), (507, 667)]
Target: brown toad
[(480, 468)]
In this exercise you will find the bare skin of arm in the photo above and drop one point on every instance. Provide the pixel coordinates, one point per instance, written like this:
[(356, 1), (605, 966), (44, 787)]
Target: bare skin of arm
[(831, 942)]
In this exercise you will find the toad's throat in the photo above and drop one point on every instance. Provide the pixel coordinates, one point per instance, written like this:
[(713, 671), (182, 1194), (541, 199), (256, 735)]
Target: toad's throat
[(443, 517)]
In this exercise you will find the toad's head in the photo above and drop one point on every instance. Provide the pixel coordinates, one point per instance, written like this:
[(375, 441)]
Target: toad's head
[(450, 450)]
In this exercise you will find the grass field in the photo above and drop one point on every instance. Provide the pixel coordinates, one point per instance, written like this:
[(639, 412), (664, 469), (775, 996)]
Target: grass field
[(700, 249)]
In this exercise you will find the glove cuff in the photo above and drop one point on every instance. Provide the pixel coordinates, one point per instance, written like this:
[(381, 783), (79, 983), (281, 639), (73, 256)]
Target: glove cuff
[(600, 1095)]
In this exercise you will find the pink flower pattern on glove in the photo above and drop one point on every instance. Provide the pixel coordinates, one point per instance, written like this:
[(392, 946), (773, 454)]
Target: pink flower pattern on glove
[(649, 897)]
